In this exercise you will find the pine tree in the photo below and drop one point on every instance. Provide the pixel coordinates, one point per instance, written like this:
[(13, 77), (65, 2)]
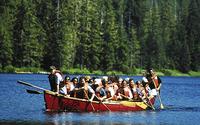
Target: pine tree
[(193, 33), (17, 35), (132, 19), (109, 36), (95, 33), (183, 59), (52, 24), (69, 16), (166, 20), (151, 37), (28, 37), (5, 34)]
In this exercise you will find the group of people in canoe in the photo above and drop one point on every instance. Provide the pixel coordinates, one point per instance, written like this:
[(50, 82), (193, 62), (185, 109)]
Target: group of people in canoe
[(105, 88)]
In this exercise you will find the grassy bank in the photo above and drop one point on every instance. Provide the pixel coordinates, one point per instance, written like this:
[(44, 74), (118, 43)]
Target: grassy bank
[(136, 72)]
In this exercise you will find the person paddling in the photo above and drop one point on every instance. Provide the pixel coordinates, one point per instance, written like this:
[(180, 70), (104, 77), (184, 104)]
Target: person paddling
[(83, 90), (156, 82)]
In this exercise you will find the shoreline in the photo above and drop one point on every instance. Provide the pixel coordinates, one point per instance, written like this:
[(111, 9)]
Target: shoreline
[(175, 74)]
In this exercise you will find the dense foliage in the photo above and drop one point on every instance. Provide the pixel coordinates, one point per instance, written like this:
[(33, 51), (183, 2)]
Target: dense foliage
[(101, 35)]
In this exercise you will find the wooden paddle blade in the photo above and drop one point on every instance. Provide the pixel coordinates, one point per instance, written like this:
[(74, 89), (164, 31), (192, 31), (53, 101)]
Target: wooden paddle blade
[(161, 106), (33, 92)]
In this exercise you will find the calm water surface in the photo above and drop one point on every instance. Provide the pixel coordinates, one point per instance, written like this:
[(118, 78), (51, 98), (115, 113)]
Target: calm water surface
[(180, 96)]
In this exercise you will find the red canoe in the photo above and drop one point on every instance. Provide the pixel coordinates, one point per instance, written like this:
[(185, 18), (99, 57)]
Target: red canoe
[(55, 102)]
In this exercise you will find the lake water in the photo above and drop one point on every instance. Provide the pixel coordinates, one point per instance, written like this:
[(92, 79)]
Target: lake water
[(180, 96)]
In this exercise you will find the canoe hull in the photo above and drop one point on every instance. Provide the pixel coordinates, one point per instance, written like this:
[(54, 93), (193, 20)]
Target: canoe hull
[(55, 102)]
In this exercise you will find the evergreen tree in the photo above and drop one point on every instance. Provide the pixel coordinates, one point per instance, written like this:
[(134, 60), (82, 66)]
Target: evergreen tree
[(121, 50), (109, 36), (82, 32), (132, 19), (193, 33), (29, 37), (54, 47), (166, 21), (17, 35), (94, 32), (151, 39), (69, 16), (183, 57), (5, 34)]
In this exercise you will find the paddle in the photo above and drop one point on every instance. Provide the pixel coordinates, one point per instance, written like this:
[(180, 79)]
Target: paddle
[(103, 103), (31, 85), (33, 91), (161, 105), (89, 100)]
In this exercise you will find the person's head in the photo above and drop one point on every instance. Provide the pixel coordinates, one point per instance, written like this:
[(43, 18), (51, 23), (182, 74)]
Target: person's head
[(52, 68), (131, 82), (150, 71), (120, 80), (82, 81), (105, 78), (124, 83), (127, 79), (87, 78), (67, 78), (139, 84), (75, 80), (104, 82)]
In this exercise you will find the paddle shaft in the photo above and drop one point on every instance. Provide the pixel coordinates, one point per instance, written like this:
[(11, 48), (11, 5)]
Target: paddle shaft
[(161, 105), (31, 85), (88, 99), (103, 103)]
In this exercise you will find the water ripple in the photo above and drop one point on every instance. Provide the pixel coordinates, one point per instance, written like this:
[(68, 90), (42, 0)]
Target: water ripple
[(183, 109)]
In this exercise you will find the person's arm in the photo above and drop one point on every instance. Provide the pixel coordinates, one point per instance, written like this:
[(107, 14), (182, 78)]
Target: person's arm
[(160, 83), (57, 84), (158, 88), (130, 94), (104, 97), (91, 99), (93, 93)]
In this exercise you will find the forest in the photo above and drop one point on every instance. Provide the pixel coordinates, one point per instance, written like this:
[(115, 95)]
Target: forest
[(105, 35)]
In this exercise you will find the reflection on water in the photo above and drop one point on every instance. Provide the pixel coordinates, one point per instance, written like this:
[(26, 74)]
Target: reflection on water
[(99, 118)]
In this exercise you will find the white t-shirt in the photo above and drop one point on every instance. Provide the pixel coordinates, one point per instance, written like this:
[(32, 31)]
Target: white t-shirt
[(62, 90)]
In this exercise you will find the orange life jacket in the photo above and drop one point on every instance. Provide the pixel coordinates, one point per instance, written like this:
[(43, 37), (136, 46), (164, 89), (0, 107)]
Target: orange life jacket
[(155, 79)]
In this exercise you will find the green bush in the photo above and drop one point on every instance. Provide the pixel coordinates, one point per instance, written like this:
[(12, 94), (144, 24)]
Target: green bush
[(130, 70), (9, 69), (195, 74), (97, 72), (77, 71), (114, 73), (28, 70), (169, 72)]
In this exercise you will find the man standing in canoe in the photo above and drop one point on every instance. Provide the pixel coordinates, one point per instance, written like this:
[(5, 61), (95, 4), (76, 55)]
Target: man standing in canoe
[(155, 84), (56, 81), (153, 81), (156, 81)]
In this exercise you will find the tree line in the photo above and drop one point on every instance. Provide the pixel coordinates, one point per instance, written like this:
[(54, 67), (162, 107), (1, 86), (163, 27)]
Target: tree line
[(105, 35)]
